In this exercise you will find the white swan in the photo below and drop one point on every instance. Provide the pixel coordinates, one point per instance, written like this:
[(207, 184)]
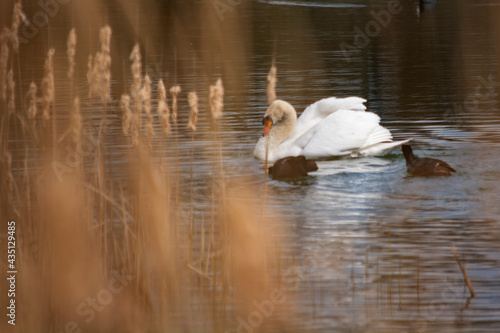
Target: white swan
[(330, 127)]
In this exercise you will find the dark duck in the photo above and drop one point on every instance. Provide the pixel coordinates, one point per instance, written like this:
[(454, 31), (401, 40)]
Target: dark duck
[(292, 167), (425, 166)]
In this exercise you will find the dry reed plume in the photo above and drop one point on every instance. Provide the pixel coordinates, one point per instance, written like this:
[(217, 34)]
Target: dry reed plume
[(71, 52), (105, 64), (127, 113), (12, 36), (32, 109), (193, 115), (48, 89), (17, 17), (146, 94), (216, 99), (175, 90), (272, 78), (136, 69), (163, 110), (99, 68), (81, 229)]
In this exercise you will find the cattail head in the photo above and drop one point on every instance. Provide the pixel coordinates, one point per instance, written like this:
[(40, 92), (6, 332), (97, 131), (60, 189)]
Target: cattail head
[(71, 51), (99, 73), (146, 95), (93, 74), (127, 113), (162, 97), (136, 69), (11, 85), (193, 115), (217, 99), (48, 84), (175, 90), (105, 39), (272, 78), (17, 17), (163, 109), (76, 121), (33, 107), (103, 64)]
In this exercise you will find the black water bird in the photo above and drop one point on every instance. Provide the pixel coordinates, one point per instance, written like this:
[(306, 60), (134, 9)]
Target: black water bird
[(427, 4), (425, 166), (292, 167)]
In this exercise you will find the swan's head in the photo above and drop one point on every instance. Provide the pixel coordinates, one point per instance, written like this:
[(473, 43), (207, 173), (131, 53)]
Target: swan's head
[(278, 111)]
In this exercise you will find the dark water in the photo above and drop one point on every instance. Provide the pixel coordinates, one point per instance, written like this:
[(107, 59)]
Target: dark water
[(374, 244)]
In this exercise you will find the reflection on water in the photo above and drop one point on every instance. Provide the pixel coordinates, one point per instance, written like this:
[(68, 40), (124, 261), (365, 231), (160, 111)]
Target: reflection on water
[(371, 244)]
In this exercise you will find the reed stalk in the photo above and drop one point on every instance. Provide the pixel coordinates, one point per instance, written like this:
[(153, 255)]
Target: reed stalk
[(69, 244), (175, 91), (272, 79), (11, 87), (464, 272), (163, 110), (127, 114), (146, 98), (136, 69), (4, 60), (193, 117), (76, 122)]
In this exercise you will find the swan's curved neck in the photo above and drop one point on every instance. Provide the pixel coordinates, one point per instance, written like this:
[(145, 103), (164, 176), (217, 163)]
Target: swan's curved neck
[(282, 128)]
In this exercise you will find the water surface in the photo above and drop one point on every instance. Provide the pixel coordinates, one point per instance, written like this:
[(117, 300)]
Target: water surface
[(383, 238)]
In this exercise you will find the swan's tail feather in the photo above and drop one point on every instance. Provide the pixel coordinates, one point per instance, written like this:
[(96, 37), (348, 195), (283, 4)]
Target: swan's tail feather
[(379, 134), (379, 149)]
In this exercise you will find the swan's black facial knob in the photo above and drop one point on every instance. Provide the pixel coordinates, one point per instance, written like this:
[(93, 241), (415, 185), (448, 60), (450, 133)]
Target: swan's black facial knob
[(265, 120)]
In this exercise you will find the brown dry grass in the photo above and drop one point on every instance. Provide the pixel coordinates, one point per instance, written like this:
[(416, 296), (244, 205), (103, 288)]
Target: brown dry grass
[(102, 255)]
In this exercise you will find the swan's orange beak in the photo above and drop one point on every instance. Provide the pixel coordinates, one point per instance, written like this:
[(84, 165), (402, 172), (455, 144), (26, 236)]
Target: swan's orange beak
[(268, 124)]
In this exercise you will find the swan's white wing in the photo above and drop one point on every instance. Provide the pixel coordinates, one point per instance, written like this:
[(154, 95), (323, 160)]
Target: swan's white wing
[(341, 133), (379, 149), (317, 112)]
